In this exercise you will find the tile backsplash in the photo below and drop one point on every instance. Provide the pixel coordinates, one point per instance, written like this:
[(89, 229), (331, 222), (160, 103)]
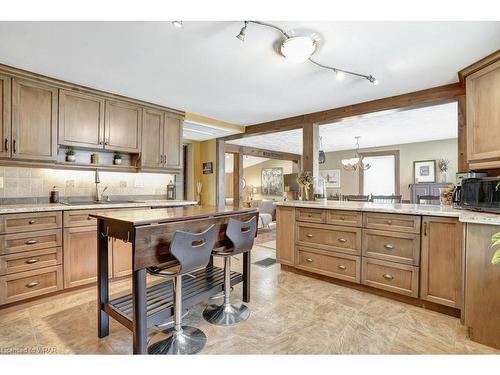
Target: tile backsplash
[(37, 182)]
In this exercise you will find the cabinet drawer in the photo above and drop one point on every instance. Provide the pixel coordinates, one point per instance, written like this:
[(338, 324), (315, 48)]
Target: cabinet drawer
[(392, 246), (29, 284), (13, 223), (79, 218), (397, 278), (348, 218), (18, 242), (398, 223), (311, 215), (330, 237), (30, 260), (341, 266)]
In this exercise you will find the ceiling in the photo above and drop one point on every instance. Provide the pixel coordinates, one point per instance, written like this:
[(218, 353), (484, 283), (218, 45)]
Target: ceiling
[(248, 161), (202, 68), (377, 129), (196, 131)]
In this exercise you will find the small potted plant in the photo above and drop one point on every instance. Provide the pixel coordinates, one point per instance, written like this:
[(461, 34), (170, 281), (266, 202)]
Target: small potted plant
[(70, 154), (117, 159), (306, 181)]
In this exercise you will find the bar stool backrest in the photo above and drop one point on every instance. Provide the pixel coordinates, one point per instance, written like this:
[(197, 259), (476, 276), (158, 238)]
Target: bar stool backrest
[(241, 234), (193, 250)]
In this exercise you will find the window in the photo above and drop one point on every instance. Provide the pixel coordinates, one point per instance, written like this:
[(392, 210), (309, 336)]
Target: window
[(383, 176)]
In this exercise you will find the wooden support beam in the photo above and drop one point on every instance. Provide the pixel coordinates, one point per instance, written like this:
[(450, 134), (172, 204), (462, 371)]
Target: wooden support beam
[(237, 179), (262, 153), (221, 173), (310, 150), (414, 99), (463, 165)]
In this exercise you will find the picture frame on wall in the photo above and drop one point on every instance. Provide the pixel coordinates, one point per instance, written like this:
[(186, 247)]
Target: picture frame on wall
[(208, 168), (331, 177), (272, 181), (424, 171)]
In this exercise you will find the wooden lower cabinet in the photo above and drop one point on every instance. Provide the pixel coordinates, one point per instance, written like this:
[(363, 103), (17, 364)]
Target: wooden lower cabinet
[(121, 258), (329, 237), (285, 236), (392, 246), (80, 256), (441, 264)]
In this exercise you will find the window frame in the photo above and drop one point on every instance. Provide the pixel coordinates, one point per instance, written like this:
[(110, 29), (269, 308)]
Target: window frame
[(394, 153)]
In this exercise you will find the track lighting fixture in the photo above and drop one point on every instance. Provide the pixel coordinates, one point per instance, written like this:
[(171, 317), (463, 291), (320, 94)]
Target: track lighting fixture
[(298, 49), (177, 24)]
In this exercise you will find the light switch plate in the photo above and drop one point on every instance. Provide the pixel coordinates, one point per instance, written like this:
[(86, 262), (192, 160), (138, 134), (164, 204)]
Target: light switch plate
[(1, 182), (138, 183)]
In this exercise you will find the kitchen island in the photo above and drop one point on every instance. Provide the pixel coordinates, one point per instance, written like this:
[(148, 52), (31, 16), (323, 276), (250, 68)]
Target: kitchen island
[(150, 233), (432, 256)]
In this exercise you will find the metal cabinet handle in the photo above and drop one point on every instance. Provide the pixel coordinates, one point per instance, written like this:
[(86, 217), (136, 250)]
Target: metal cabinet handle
[(389, 222), (387, 276), (342, 240), (32, 284), (6, 144), (389, 247), (31, 222), (425, 228), (14, 146), (309, 260), (100, 142), (106, 142), (31, 242), (341, 267), (342, 218), (309, 215), (31, 261), (309, 235)]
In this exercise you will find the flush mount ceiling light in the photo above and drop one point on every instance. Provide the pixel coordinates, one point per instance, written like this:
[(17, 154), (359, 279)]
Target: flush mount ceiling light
[(298, 49)]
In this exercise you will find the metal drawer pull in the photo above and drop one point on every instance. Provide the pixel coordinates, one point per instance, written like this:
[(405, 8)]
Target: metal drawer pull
[(389, 222), (31, 242), (342, 218), (342, 240), (31, 222), (387, 276), (341, 267), (32, 284), (390, 247), (309, 260), (309, 215), (309, 235), (31, 261)]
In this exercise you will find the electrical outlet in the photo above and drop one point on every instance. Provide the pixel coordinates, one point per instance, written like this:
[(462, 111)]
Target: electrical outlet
[(138, 184), (70, 183), (1, 182), (123, 184)]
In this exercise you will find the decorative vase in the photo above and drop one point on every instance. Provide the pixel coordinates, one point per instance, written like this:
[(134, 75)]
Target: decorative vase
[(70, 158), (306, 193), (443, 176)]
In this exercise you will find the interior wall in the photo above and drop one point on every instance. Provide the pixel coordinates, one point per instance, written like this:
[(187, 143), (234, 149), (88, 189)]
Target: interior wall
[(408, 153), (208, 153), (252, 176)]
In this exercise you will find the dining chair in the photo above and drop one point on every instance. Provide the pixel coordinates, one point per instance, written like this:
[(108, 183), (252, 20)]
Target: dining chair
[(357, 198), (428, 199), (385, 198)]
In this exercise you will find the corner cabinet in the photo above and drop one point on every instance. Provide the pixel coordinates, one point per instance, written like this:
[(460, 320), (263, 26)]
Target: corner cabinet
[(161, 140), (34, 121), (483, 117), (441, 261)]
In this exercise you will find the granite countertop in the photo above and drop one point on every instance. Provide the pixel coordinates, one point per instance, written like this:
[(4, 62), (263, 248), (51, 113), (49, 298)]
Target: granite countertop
[(465, 216), (40, 207)]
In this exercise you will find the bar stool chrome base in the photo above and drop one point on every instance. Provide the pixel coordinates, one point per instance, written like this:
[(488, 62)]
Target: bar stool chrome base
[(226, 314), (188, 340)]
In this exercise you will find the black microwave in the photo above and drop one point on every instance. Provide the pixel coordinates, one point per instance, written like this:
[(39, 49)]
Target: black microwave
[(480, 194)]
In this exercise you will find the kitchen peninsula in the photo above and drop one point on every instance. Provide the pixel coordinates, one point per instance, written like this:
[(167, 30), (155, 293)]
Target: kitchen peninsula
[(435, 257), (150, 233)]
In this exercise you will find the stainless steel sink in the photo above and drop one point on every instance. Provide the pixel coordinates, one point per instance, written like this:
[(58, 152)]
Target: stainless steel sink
[(84, 203)]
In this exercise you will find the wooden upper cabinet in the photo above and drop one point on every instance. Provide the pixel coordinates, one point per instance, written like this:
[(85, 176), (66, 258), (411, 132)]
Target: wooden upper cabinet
[(173, 141), (5, 116), (81, 119), (152, 138), (483, 115), (441, 261), (34, 121), (123, 127)]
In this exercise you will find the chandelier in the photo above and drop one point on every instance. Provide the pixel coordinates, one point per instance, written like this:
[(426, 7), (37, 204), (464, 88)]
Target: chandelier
[(356, 162)]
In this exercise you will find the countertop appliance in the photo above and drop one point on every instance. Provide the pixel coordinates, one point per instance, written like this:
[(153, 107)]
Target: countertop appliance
[(457, 193), (480, 194)]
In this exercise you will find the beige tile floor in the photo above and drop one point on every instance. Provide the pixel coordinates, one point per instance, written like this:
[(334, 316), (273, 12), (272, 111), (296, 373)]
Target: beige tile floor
[(290, 314)]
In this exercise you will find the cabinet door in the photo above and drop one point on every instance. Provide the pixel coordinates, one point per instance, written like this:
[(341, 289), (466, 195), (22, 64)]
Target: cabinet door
[(152, 138), (483, 113), (80, 256), (285, 238), (441, 267), (4, 116), (419, 189), (123, 127), (173, 142), (122, 258), (81, 119), (34, 121)]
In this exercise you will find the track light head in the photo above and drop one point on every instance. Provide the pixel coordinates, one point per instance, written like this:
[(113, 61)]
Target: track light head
[(340, 75), (372, 79), (177, 24), (243, 32)]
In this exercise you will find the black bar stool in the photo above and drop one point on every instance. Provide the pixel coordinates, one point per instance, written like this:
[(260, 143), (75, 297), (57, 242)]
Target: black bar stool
[(242, 235), (193, 251)]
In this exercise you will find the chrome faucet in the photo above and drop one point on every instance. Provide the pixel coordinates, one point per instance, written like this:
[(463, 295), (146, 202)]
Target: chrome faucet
[(98, 193)]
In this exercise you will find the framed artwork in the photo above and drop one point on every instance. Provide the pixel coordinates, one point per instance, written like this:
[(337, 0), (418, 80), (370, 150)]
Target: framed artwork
[(272, 181), (208, 168), (424, 171), (331, 177)]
